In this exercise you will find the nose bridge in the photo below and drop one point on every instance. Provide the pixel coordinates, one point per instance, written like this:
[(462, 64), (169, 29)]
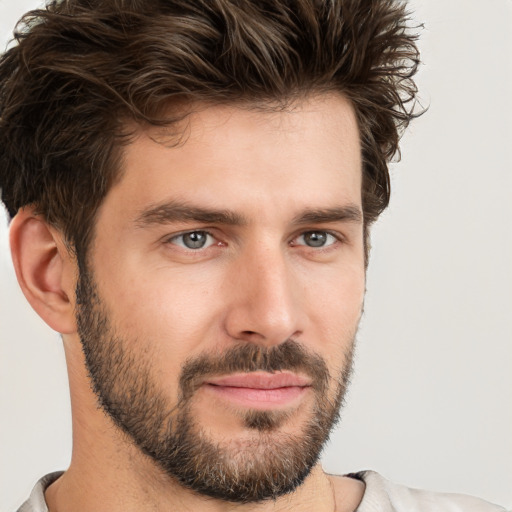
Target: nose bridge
[(265, 306)]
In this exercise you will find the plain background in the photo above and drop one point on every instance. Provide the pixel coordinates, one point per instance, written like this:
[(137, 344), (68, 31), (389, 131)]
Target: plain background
[(431, 401)]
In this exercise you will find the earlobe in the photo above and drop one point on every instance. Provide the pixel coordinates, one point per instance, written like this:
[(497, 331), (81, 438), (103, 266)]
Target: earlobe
[(45, 270)]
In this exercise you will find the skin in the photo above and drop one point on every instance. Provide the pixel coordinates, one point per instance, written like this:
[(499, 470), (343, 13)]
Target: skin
[(257, 281)]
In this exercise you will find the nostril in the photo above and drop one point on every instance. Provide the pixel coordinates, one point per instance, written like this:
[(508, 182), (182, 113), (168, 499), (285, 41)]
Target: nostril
[(252, 336)]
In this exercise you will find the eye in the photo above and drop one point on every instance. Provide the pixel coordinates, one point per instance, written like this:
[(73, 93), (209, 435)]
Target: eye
[(316, 239), (193, 240)]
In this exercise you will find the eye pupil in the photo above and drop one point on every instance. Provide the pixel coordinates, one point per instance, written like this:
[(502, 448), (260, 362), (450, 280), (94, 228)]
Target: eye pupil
[(315, 238), (195, 239)]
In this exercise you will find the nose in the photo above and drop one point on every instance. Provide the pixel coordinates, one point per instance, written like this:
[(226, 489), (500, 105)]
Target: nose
[(265, 303)]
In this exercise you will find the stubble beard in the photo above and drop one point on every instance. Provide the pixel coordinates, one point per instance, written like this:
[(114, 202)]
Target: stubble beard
[(271, 464)]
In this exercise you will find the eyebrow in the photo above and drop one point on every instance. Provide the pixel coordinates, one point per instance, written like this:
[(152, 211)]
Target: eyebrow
[(348, 213), (177, 211)]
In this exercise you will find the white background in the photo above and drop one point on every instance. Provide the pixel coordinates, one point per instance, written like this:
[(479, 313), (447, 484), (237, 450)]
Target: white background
[(431, 400)]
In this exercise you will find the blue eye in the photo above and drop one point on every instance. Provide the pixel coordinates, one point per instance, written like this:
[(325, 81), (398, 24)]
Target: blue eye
[(316, 239), (193, 240)]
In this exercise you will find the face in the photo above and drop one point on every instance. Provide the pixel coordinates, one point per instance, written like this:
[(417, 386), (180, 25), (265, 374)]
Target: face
[(223, 291)]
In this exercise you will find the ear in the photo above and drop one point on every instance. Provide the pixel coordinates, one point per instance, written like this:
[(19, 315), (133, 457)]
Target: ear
[(45, 269)]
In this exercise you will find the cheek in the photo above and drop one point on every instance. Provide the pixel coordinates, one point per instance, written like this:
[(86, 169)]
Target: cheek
[(337, 295), (335, 311), (170, 314)]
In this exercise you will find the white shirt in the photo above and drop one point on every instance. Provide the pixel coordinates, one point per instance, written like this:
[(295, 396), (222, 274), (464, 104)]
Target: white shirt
[(380, 496), (384, 496)]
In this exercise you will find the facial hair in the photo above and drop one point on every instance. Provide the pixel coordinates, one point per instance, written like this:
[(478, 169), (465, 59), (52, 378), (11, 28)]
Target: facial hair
[(272, 464)]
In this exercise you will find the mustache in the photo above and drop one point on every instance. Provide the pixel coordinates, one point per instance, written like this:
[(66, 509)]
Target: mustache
[(289, 355)]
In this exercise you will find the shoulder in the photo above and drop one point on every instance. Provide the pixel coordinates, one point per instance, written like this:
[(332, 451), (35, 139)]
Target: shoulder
[(384, 496), (36, 501)]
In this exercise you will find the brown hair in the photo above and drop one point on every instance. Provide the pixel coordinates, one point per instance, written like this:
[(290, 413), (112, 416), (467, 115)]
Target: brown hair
[(82, 68)]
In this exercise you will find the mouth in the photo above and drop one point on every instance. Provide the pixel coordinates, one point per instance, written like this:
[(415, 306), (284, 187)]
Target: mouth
[(259, 390)]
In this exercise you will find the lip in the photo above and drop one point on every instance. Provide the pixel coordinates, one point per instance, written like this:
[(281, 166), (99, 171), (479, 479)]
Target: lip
[(259, 390), (261, 380)]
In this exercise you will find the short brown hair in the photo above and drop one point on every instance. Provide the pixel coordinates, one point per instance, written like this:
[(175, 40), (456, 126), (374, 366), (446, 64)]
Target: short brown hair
[(82, 68)]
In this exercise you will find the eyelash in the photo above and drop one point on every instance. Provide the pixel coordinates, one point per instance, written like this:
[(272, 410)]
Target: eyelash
[(336, 236), (181, 235)]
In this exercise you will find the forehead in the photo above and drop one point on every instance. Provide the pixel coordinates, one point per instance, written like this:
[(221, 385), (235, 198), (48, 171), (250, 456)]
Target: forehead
[(247, 157)]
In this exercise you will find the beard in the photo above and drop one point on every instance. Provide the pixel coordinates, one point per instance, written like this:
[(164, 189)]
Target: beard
[(269, 464)]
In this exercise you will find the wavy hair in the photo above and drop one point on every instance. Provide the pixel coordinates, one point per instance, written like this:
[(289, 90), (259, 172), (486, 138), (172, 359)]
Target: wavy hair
[(79, 69)]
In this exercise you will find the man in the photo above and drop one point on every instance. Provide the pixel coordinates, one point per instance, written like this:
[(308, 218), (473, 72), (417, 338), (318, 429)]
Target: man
[(191, 187)]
